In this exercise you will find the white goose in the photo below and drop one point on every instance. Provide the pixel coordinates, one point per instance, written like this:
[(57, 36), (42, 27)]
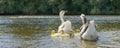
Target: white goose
[(88, 29), (66, 26)]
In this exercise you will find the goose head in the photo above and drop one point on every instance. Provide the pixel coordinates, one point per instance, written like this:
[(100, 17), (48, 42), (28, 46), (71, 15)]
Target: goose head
[(83, 17), (62, 12), (93, 22)]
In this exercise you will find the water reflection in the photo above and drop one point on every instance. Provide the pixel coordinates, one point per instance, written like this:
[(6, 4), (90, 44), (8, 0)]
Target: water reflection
[(88, 44)]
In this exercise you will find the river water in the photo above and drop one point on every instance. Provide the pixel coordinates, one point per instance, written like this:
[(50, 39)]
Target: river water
[(35, 31)]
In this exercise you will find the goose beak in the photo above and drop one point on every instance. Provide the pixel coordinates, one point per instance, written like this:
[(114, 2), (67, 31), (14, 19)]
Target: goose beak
[(62, 12), (65, 11)]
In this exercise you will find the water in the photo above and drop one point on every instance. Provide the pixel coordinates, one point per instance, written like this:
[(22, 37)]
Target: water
[(34, 32)]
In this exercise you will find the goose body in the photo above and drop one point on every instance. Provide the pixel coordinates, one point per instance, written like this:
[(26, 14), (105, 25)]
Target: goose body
[(65, 25), (88, 30), (90, 33)]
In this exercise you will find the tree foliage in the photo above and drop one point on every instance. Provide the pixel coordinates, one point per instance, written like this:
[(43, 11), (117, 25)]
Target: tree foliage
[(54, 6)]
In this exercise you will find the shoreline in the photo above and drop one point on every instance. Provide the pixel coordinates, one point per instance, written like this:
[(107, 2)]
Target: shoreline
[(56, 16)]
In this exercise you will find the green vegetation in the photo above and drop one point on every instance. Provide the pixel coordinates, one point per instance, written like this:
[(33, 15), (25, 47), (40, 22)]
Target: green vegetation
[(54, 6)]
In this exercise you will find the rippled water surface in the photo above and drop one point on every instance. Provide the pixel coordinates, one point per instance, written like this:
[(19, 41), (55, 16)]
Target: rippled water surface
[(35, 31)]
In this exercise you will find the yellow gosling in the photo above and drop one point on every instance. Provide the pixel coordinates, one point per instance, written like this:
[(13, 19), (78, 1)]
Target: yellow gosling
[(77, 30), (77, 34), (72, 33), (64, 34), (54, 34)]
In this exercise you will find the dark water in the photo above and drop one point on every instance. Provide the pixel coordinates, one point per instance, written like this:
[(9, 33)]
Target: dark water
[(35, 33)]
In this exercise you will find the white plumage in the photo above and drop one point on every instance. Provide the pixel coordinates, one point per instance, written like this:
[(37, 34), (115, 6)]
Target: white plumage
[(88, 29), (66, 26)]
